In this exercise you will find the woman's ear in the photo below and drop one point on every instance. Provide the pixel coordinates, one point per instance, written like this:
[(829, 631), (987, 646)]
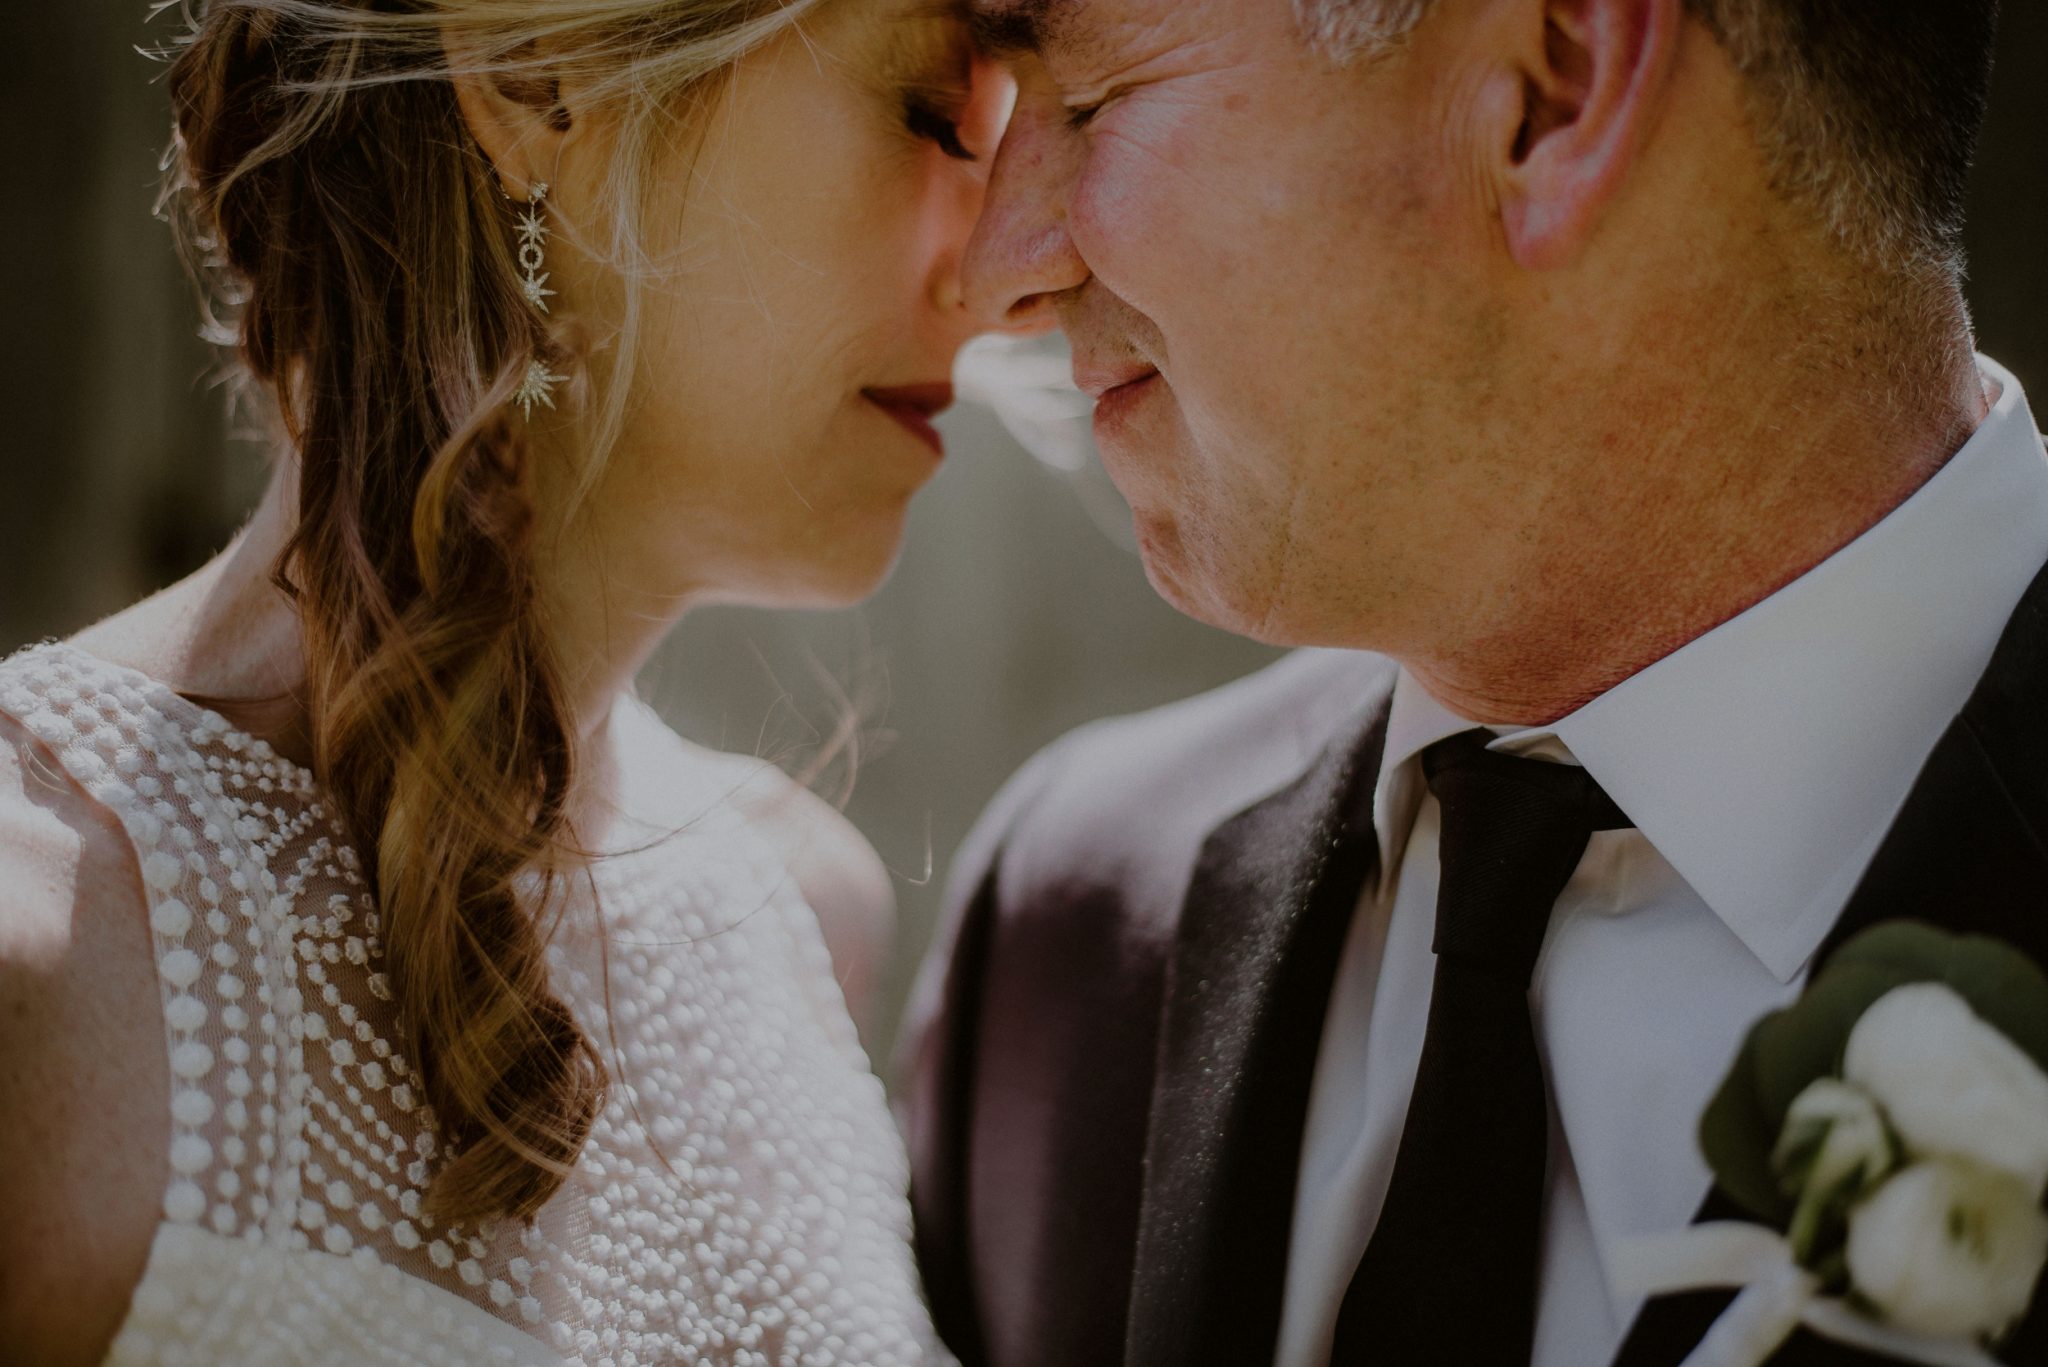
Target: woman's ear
[(520, 120), (1592, 87)]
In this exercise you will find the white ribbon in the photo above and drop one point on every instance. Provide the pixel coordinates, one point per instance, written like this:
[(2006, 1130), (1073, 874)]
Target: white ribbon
[(1777, 1296)]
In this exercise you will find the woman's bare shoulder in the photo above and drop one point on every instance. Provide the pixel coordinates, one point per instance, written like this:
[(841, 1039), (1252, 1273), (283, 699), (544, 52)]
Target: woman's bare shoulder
[(82, 1069), (837, 870), (843, 879), (68, 875)]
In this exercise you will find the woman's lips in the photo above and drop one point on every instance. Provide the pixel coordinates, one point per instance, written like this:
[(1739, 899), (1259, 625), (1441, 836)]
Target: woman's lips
[(914, 406)]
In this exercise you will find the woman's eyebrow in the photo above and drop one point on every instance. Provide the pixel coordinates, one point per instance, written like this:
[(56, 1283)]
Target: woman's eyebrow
[(925, 36)]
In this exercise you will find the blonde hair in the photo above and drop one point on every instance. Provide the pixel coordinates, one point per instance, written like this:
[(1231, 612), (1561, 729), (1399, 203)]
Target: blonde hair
[(357, 253)]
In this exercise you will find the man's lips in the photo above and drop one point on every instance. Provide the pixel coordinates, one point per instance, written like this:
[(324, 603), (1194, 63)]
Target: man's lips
[(1099, 382), (1113, 401), (914, 406)]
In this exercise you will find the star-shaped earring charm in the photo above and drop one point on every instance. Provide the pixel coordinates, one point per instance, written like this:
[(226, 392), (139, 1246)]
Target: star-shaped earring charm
[(533, 229), (537, 388), (534, 287)]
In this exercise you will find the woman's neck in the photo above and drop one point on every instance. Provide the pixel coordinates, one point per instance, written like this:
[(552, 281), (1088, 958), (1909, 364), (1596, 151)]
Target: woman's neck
[(225, 635), (228, 637)]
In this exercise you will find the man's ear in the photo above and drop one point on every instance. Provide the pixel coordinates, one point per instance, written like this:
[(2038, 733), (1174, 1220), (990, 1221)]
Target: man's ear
[(1593, 83), (519, 120)]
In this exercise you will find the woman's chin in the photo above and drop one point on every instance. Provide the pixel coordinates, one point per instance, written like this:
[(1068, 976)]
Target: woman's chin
[(854, 587), (843, 574)]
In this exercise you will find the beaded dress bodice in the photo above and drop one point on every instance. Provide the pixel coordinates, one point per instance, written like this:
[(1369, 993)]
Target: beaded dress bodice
[(741, 1197)]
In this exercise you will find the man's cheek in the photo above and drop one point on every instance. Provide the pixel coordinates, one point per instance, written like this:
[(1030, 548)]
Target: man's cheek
[(1144, 238), (1108, 213)]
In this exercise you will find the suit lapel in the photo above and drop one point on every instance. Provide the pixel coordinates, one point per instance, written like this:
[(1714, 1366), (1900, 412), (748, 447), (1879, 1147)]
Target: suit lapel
[(1968, 852), (1261, 929)]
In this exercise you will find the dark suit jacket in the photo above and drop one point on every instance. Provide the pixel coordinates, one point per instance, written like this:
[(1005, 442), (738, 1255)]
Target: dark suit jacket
[(1104, 1123)]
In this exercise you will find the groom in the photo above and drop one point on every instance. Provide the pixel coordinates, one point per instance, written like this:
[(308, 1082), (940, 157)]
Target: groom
[(1594, 372)]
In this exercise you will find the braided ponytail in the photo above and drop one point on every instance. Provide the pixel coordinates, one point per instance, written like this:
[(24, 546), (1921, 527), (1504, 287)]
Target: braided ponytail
[(437, 724)]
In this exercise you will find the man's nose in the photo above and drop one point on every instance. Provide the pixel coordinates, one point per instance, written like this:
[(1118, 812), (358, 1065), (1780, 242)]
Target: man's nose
[(1020, 256)]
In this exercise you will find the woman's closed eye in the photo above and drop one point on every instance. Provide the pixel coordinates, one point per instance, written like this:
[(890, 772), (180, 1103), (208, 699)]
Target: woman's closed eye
[(928, 123)]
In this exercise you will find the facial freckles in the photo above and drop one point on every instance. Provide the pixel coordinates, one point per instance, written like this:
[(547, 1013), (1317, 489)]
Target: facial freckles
[(1291, 245)]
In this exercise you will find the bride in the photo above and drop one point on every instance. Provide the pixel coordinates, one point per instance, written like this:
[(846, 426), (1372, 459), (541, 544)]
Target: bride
[(380, 982)]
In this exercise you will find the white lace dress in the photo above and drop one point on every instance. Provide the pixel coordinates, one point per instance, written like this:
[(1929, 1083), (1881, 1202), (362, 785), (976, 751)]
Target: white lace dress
[(741, 1199)]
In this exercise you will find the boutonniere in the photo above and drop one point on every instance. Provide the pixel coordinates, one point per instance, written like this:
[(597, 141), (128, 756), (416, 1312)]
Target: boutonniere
[(1889, 1133)]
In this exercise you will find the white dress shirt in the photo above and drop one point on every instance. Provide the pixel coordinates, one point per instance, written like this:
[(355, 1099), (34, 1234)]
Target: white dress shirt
[(1762, 764)]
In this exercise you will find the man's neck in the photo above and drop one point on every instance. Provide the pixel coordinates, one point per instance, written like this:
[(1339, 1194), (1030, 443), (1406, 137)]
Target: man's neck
[(1700, 521)]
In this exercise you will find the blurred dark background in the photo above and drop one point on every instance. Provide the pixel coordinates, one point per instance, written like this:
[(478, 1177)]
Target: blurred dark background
[(1012, 618)]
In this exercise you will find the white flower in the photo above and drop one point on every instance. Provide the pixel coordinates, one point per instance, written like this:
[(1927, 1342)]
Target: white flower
[(1951, 1084), (1837, 1133), (1948, 1249)]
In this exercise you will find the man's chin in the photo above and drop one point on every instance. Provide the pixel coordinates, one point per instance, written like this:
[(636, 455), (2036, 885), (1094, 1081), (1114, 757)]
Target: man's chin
[(1178, 578), (1203, 588)]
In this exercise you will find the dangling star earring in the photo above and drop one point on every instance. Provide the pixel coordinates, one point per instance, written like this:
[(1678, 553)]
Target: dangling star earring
[(539, 383), (533, 237)]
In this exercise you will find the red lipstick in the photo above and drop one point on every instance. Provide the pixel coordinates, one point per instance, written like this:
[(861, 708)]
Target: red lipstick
[(914, 406)]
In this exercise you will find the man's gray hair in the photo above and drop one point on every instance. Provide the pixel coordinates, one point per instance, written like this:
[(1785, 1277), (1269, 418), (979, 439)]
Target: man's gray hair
[(1349, 28), (1866, 113)]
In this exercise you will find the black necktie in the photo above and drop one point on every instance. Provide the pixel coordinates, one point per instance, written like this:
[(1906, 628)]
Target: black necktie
[(1450, 1274)]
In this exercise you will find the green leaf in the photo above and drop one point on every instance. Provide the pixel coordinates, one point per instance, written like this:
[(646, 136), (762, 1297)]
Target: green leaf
[(1914, 946), (1736, 1137)]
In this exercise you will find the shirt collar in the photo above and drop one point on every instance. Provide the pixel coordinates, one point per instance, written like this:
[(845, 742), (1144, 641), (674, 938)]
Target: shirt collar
[(1767, 759)]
